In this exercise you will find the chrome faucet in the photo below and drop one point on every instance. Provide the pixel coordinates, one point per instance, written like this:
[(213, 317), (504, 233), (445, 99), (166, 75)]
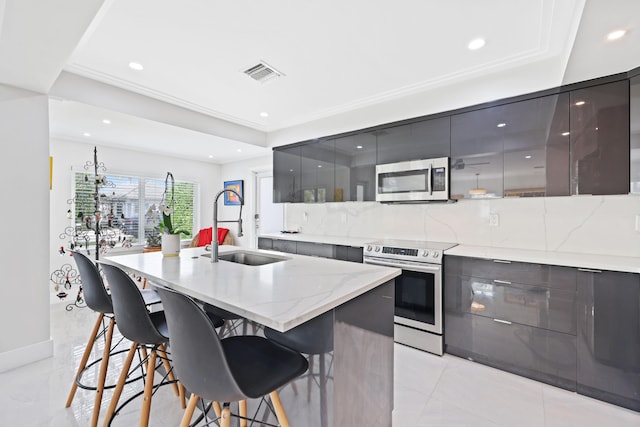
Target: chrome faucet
[(214, 240)]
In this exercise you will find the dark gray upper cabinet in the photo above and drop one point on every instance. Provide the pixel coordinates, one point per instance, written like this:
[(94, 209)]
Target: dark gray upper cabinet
[(476, 154), (609, 337), (287, 176), (514, 150), (536, 146), (634, 114), (420, 140), (600, 139), (561, 144), (318, 171), (356, 167)]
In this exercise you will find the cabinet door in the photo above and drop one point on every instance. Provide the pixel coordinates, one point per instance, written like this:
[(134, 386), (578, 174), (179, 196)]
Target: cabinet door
[(265, 243), (287, 169), (315, 249), (476, 154), (634, 114), (349, 253), (287, 246), (536, 146), (609, 337), (356, 167), (395, 145), (600, 139), (318, 166)]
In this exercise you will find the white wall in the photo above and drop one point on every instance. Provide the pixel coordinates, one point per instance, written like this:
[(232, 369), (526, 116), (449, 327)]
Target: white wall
[(244, 170), (582, 224), (24, 168), (68, 154)]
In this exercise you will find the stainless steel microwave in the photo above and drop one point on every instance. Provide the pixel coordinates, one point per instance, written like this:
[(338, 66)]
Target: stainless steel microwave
[(413, 181)]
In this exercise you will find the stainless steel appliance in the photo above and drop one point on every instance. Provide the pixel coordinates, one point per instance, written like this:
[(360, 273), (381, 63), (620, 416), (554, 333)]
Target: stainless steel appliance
[(413, 181), (418, 296)]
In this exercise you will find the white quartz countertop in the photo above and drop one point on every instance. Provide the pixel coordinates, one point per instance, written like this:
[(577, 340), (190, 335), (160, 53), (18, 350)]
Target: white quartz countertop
[(316, 238), (280, 295), (568, 259)]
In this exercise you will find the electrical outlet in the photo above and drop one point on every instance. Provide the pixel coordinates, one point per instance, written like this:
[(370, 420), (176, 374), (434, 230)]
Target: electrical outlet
[(343, 218), (494, 220), (638, 223), (305, 216)]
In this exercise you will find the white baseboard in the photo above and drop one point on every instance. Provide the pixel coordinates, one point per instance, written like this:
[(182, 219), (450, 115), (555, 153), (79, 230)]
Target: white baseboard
[(24, 355)]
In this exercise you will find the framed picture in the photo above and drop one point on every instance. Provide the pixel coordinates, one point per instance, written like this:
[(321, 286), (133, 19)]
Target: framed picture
[(238, 187)]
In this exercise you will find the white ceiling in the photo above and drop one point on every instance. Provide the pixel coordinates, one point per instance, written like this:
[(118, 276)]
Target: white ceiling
[(338, 57)]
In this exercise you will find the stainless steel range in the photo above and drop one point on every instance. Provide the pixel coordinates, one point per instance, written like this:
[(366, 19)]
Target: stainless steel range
[(418, 312)]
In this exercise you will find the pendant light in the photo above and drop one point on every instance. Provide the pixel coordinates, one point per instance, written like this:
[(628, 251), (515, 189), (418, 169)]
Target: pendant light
[(477, 191)]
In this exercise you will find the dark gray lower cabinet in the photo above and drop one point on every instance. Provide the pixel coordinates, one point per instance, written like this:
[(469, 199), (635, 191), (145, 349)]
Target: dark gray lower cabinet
[(324, 250), (349, 253), (492, 324), (609, 337), (265, 243)]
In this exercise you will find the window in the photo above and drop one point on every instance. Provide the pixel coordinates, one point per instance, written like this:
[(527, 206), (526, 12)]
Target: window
[(129, 208)]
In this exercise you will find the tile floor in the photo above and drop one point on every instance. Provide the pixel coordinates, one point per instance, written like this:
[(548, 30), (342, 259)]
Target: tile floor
[(429, 391)]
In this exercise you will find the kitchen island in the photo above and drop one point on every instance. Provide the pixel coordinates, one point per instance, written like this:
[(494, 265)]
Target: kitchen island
[(287, 292)]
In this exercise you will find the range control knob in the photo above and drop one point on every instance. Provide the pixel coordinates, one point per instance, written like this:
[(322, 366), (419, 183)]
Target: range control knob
[(369, 248), (425, 253), (436, 254), (377, 248)]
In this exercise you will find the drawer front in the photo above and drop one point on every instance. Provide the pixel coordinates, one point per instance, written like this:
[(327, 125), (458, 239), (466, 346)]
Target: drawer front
[(538, 306), (511, 271), (287, 246), (315, 249), (536, 353)]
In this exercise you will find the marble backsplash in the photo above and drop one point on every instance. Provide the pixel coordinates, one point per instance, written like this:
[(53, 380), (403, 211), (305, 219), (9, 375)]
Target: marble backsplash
[(582, 224)]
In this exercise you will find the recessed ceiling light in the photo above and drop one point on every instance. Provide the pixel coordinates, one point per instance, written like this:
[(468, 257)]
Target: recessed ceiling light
[(86, 134), (501, 125), (211, 156), (617, 34), (264, 114), (527, 157), (136, 66), (290, 170), (239, 150), (566, 133), (579, 103), (106, 121), (319, 166), (476, 44), (359, 147)]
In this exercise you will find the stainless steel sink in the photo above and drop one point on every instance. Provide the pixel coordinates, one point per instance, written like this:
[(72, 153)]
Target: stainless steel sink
[(248, 258)]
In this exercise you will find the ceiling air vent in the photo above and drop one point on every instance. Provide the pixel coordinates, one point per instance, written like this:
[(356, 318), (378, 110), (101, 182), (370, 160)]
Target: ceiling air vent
[(262, 72)]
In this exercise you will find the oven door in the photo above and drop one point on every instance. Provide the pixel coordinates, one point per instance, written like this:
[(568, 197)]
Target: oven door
[(418, 294)]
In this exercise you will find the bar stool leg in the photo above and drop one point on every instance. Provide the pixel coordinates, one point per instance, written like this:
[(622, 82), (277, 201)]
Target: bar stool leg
[(242, 409), (85, 358), (148, 390), (188, 413), (120, 385), (165, 362), (277, 406), (103, 374), (225, 419)]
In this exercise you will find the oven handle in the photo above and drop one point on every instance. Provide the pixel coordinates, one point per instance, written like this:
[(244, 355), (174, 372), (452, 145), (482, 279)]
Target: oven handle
[(405, 265)]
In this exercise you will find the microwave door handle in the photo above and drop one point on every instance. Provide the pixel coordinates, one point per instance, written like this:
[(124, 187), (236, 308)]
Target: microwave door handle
[(430, 179)]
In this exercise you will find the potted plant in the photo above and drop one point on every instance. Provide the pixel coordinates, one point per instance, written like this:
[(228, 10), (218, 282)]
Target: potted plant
[(170, 234)]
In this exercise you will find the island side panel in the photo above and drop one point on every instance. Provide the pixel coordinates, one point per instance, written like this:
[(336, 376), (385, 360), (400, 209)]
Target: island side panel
[(363, 359)]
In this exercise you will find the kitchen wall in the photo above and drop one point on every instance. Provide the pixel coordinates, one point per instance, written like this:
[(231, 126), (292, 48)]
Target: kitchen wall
[(245, 170), (69, 154), (582, 224)]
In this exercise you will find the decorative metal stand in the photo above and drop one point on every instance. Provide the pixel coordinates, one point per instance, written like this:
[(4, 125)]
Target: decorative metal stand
[(101, 226)]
